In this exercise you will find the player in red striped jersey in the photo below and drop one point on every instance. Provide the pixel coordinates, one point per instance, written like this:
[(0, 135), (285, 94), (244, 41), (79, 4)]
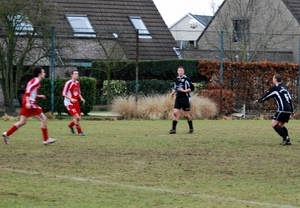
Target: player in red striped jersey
[(72, 94), (30, 107)]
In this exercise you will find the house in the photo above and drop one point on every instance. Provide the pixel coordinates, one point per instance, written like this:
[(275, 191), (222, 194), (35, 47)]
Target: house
[(188, 29), (253, 31), (90, 30), (81, 24)]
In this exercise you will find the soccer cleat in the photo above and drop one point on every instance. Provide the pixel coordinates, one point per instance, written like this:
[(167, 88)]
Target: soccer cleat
[(5, 138), (191, 131), (49, 141), (288, 141), (81, 134), (172, 131), (72, 130)]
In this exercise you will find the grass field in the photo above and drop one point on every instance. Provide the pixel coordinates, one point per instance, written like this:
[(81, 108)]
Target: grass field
[(136, 163)]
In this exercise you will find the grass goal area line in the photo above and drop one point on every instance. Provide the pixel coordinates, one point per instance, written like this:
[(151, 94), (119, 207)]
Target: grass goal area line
[(177, 192)]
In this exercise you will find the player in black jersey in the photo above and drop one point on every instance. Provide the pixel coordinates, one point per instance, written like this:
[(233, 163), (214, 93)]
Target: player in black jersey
[(285, 108), (182, 88)]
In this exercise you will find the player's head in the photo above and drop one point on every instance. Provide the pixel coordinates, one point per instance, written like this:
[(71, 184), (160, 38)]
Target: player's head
[(277, 78), (180, 71), (74, 74), (39, 72)]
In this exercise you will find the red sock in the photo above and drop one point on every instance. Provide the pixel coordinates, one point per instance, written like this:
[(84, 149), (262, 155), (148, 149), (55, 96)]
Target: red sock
[(71, 124), (78, 127), (11, 130), (45, 133)]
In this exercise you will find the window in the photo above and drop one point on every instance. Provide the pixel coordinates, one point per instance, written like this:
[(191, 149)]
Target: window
[(139, 25), (81, 25), (240, 30), (21, 24)]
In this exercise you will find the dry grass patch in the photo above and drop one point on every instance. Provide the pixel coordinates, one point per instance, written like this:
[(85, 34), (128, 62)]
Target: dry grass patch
[(161, 107)]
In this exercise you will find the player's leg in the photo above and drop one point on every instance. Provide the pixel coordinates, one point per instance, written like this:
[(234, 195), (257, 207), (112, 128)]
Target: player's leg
[(75, 112), (187, 115), (43, 119), (71, 111), (284, 118), (176, 112), (78, 119), (14, 128), (278, 129)]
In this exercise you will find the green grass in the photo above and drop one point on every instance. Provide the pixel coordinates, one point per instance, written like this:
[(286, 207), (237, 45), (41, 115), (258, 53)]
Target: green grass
[(234, 163)]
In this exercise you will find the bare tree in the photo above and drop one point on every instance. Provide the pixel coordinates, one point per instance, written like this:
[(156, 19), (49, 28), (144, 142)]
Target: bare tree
[(24, 41), (251, 28), (112, 50)]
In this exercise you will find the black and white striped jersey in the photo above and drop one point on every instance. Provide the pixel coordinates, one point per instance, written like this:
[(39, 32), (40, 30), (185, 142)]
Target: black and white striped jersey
[(281, 96), (184, 83)]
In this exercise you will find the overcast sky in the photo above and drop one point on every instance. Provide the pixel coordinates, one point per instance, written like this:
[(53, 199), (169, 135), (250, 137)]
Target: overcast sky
[(173, 10)]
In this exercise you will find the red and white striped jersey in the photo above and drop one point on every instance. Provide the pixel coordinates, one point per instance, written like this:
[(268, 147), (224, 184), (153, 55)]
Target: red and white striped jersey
[(71, 89), (32, 90)]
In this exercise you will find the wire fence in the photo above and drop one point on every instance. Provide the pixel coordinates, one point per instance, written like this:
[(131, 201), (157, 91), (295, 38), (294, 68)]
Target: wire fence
[(63, 48)]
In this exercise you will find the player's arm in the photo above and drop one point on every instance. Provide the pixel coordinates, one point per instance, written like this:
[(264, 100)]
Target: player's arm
[(266, 96), (41, 96), (174, 89), (173, 92), (65, 93), (28, 105), (81, 98)]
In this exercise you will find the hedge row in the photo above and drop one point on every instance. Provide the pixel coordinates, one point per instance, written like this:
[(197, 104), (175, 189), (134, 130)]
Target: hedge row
[(88, 91), (249, 81)]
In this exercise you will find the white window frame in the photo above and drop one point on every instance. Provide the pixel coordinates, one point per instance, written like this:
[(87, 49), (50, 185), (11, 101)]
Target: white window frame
[(138, 24), (80, 25)]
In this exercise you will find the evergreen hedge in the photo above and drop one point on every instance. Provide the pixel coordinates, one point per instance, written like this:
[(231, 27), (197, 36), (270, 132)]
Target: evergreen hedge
[(88, 91)]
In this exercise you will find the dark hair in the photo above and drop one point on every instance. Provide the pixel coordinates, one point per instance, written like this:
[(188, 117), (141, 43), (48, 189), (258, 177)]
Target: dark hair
[(75, 70), (278, 77), (36, 71)]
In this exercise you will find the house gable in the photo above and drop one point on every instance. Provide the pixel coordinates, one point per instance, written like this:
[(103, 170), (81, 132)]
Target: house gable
[(110, 19), (188, 28), (249, 33)]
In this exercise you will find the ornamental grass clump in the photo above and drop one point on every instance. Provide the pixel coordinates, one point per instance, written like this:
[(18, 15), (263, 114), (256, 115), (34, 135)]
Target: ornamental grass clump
[(161, 107), (126, 107)]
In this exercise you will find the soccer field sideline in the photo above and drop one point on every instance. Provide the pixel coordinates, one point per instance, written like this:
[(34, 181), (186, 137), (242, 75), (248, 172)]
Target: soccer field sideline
[(160, 190)]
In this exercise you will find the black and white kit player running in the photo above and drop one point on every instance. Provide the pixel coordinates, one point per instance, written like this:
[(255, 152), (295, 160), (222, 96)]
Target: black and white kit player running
[(285, 108)]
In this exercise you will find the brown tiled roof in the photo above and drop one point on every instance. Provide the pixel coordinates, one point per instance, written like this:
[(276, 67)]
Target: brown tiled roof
[(113, 15)]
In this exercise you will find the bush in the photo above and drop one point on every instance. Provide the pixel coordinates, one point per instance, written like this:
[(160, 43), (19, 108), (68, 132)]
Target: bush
[(161, 107), (228, 98), (88, 91)]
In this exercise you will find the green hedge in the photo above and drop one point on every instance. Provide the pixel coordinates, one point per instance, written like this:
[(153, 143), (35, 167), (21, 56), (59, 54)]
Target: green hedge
[(160, 70), (88, 91)]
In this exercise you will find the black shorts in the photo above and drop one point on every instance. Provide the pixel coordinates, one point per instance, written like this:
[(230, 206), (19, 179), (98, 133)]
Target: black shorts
[(182, 102), (282, 117)]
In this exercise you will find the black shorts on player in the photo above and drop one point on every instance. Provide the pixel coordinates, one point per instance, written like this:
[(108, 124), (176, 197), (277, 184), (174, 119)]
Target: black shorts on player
[(182, 103), (282, 117)]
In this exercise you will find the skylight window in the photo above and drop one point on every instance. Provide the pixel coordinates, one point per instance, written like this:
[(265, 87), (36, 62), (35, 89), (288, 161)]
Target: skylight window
[(81, 25), (139, 25)]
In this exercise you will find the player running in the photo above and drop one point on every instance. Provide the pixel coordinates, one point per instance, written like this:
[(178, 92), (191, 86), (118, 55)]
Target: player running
[(72, 94)]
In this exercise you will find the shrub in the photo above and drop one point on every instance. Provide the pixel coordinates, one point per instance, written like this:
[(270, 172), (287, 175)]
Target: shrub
[(161, 107), (228, 98)]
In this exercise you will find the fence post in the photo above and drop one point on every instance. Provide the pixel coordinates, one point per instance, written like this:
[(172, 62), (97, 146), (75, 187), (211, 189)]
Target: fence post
[(221, 67), (137, 67), (52, 69), (299, 71)]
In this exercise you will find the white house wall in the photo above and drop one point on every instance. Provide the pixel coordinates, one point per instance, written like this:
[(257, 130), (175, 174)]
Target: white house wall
[(183, 31)]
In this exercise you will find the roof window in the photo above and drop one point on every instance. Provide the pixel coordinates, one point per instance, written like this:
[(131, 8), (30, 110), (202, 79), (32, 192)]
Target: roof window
[(138, 24), (81, 25)]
